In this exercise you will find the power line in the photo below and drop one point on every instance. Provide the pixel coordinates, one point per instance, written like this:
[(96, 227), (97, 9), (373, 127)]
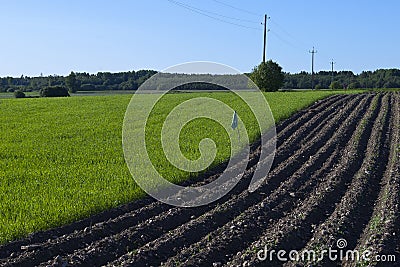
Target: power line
[(224, 19), (284, 40), (217, 14), (299, 43), (273, 22), (239, 9), (282, 29), (204, 13)]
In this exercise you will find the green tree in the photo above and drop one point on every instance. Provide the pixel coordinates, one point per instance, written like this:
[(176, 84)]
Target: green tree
[(54, 91), (19, 94), (354, 85), (268, 76), (335, 85), (390, 84), (318, 87), (72, 83)]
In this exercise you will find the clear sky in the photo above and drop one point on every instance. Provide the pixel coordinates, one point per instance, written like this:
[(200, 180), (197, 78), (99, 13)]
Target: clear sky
[(56, 37)]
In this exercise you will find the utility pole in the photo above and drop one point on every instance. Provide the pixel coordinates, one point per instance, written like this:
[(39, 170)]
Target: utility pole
[(313, 52), (266, 18), (332, 63)]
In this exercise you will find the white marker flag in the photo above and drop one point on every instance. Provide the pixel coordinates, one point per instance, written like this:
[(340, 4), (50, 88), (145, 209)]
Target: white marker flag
[(234, 124)]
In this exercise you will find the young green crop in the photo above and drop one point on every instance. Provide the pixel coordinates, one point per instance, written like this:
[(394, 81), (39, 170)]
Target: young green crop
[(61, 159)]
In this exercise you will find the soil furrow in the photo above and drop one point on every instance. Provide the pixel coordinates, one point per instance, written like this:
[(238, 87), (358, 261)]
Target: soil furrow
[(128, 238), (292, 231), (379, 236), (294, 141), (338, 118), (303, 116), (355, 208)]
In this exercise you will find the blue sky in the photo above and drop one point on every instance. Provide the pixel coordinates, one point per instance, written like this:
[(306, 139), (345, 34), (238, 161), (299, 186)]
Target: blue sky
[(56, 37)]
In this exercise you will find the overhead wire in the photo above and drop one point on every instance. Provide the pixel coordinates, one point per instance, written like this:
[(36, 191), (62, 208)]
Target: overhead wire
[(222, 18), (291, 36), (284, 40), (239, 9), (213, 14), (282, 29), (220, 15)]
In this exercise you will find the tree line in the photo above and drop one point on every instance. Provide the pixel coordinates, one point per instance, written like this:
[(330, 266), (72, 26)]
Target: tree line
[(382, 78), (131, 80), (179, 81)]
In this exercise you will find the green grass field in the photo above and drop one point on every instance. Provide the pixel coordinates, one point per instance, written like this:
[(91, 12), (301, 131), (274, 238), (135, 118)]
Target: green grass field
[(61, 159)]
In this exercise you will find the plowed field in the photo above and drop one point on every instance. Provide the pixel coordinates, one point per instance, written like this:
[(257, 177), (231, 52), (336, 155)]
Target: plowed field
[(335, 176)]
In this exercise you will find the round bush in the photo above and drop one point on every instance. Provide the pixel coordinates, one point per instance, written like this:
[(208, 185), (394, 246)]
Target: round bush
[(19, 94)]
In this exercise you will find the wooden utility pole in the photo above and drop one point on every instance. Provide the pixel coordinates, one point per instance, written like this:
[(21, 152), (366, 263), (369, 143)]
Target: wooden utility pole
[(265, 36), (332, 63), (312, 67)]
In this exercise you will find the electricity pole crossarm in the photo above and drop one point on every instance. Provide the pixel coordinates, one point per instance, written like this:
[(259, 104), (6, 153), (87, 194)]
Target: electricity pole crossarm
[(266, 30), (313, 52)]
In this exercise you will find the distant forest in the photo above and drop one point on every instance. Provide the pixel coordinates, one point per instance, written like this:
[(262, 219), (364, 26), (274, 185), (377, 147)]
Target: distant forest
[(131, 80), (383, 78)]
